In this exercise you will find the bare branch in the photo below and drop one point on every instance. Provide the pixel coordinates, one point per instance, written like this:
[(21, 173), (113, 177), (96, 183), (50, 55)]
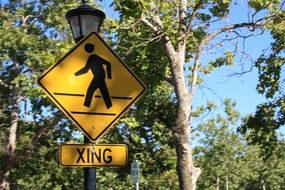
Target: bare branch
[(128, 27), (195, 72), (204, 24), (170, 51), (201, 87), (25, 19), (145, 42), (193, 14), (242, 72), (226, 28), (266, 6), (182, 31), (154, 28), (235, 42), (250, 25)]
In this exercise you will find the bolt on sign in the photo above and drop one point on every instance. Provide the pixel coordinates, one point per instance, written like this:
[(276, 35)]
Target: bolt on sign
[(90, 155), (92, 86)]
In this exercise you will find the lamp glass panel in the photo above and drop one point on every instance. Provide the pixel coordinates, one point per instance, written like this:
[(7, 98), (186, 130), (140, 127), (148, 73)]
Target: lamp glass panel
[(89, 23), (74, 23)]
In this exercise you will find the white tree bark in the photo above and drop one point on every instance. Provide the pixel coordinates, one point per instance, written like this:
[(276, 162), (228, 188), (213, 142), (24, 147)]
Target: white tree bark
[(218, 184), (11, 144), (187, 172)]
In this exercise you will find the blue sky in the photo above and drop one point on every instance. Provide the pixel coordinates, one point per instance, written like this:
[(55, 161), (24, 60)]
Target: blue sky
[(242, 89), (239, 88)]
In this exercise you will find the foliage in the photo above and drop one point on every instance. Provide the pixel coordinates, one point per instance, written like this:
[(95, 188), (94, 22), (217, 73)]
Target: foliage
[(39, 41), (196, 24), (146, 128), (261, 128), (34, 35), (43, 172), (32, 38), (228, 162)]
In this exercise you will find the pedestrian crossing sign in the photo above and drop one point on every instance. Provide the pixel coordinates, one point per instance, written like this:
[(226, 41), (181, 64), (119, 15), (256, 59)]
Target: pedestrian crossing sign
[(92, 86)]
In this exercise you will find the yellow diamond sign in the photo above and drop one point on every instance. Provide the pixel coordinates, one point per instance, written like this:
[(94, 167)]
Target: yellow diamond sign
[(92, 86)]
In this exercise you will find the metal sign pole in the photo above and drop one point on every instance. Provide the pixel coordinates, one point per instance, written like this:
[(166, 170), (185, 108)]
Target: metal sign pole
[(89, 178), (89, 174), (135, 173)]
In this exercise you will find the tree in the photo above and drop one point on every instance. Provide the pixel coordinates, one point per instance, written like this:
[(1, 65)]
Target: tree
[(32, 36), (145, 129), (261, 128), (220, 150), (184, 31), (228, 161)]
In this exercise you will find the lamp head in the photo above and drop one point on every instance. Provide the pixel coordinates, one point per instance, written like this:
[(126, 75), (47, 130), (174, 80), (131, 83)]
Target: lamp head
[(84, 19)]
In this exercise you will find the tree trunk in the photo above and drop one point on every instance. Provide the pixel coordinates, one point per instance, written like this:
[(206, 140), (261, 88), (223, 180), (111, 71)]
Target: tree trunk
[(227, 183), (10, 147), (187, 173), (263, 184), (5, 185), (218, 184)]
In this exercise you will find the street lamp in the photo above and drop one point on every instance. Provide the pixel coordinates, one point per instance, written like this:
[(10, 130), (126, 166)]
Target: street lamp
[(84, 19)]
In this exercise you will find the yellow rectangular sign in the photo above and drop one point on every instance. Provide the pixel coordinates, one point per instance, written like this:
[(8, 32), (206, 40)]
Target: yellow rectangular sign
[(91, 155)]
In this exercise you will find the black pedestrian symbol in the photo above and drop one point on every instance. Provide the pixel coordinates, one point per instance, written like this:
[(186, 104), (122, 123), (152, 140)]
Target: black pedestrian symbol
[(95, 64)]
